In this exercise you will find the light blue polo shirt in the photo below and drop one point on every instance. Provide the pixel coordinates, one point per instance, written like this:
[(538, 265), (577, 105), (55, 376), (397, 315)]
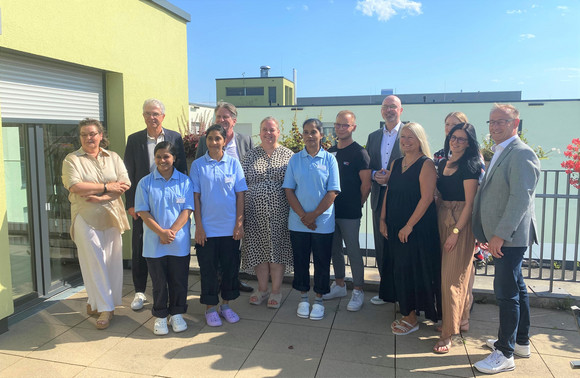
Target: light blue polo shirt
[(218, 182), (311, 178), (165, 200)]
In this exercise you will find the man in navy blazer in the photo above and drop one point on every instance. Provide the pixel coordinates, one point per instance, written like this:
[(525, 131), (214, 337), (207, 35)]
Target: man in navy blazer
[(140, 161), (383, 148), (504, 217)]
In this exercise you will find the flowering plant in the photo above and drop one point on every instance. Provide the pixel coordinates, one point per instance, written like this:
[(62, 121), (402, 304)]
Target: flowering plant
[(572, 165)]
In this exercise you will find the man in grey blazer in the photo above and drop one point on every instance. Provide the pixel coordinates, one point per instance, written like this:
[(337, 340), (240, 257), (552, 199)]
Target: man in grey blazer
[(504, 217), (383, 148), (139, 161), (237, 145)]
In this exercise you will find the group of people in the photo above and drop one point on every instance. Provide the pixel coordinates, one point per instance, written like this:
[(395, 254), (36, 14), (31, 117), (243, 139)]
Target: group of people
[(269, 210)]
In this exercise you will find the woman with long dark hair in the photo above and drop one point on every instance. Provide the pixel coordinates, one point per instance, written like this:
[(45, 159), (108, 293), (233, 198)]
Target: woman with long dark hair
[(457, 184)]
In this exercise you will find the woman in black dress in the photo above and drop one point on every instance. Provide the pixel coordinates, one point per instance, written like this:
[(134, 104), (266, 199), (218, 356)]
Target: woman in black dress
[(409, 223)]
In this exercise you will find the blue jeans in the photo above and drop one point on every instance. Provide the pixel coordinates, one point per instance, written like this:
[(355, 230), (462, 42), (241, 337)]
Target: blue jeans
[(512, 298), (303, 243)]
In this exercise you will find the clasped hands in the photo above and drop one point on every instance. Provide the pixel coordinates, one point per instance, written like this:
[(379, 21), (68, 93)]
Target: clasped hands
[(309, 220)]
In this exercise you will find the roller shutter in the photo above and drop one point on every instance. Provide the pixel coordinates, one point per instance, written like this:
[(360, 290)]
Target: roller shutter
[(40, 89)]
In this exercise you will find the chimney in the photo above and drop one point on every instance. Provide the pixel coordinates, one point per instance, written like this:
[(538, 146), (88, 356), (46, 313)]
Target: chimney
[(264, 71)]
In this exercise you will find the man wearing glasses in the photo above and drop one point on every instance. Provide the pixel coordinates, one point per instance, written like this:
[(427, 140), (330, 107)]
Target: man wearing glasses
[(504, 217), (139, 160), (355, 178), (383, 148)]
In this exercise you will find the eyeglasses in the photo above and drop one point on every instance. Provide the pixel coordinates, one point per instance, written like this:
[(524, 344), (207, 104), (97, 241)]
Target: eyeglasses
[(342, 125), (499, 122), (91, 135), (460, 140), (389, 107), (155, 115)]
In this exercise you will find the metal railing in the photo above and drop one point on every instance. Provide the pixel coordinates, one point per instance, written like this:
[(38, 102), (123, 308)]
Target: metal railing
[(558, 222), (555, 257)]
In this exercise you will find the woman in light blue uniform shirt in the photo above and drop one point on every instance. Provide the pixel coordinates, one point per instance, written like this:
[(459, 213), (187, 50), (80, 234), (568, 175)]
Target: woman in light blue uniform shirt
[(164, 200), (311, 185), (219, 186)]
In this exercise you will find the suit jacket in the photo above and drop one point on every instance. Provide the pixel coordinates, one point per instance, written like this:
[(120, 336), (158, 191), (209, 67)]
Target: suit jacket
[(374, 149), (243, 145), (137, 159), (504, 204)]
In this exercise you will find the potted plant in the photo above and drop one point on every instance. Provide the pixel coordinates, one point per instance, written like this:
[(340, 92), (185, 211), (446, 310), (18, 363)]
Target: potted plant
[(572, 164)]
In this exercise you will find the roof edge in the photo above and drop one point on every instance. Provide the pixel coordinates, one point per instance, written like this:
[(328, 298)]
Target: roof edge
[(173, 9)]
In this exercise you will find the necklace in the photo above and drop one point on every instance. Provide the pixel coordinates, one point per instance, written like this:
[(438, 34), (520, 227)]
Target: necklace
[(407, 165)]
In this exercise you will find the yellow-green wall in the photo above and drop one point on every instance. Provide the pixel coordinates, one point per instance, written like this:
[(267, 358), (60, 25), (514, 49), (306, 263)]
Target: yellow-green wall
[(141, 47), (279, 82)]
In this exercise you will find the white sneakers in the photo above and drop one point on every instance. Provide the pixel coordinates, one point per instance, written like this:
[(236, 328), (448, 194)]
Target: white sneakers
[(177, 323), (356, 300), (496, 362), (377, 301), (519, 350), (335, 292), (137, 303)]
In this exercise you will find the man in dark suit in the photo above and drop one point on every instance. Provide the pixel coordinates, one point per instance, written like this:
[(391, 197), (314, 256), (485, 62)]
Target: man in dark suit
[(504, 217), (383, 148), (139, 160), (237, 145)]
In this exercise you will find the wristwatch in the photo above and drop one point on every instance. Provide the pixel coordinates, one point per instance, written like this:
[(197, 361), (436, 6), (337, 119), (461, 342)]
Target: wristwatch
[(105, 186), (455, 230)]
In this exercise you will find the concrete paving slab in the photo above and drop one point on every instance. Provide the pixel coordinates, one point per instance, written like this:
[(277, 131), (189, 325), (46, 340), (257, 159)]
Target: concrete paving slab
[(67, 313), (244, 334), (26, 366), (77, 346), (28, 335), (556, 342), (100, 373), (140, 355), (560, 366), (294, 340), (332, 368), (267, 364), (8, 359), (371, 318), (415, 352), (359, 347), (206, 360)]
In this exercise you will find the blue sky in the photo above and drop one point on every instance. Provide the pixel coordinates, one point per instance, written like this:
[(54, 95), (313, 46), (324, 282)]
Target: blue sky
[(350, 47)]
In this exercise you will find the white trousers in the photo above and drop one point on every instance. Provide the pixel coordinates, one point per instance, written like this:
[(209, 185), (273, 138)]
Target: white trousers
[(101, 260)]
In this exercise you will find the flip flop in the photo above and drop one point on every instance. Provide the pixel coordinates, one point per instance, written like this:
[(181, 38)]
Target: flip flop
[(258, 297), (442, 348), (406, 327), (274, 300)]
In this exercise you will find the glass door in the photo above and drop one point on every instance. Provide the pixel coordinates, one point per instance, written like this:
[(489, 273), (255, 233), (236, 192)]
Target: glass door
[(18, 195), (43, 257), (58, 141)]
